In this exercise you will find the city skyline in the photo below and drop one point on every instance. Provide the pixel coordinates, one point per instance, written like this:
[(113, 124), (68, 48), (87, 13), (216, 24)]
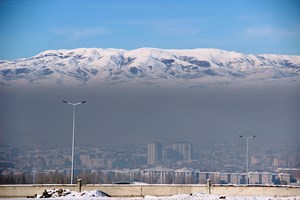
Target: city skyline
[(223, 164)]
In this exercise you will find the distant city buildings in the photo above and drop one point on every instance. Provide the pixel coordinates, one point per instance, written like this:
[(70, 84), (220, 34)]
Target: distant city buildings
[(186, 176), (260, 178), (294, 172), (154, 153), (157, 153), (162, 175), (184, 150), (178, 163), (157, 175)]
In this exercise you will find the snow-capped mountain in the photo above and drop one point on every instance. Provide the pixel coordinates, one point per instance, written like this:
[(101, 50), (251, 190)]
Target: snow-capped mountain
[(196, 67)]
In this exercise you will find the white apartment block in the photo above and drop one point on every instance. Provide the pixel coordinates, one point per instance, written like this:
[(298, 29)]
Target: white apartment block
[(260, 178), (154, 153), (184, 149)]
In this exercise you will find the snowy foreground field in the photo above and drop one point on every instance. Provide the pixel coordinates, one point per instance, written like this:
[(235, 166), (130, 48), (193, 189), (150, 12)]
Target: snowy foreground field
[(96, 194)]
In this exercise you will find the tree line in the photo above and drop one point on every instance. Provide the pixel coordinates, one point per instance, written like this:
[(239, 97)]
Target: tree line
[(56, 177)]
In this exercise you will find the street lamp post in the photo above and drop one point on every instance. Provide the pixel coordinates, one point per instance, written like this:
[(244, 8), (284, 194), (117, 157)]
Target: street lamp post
[(247, 159), (73, 138), (34, 171)]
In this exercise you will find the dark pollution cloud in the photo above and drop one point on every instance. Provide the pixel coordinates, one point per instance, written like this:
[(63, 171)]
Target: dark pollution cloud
[(122, 116)]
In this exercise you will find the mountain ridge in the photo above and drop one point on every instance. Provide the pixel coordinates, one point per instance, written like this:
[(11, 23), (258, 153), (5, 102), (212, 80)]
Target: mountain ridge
[(190, 67)]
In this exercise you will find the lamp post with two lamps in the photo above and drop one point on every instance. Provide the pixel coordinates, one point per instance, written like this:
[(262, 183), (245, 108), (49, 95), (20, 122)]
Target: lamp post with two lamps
[(247, 159), (73, 138)]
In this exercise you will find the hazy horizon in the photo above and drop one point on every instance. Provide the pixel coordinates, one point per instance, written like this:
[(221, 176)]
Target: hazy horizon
[(140, 115)]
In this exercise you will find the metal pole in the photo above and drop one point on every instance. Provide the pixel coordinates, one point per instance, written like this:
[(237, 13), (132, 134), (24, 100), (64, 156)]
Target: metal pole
[(247, 163), (247, 157), (73, 138), (73, 144), (33, 173)]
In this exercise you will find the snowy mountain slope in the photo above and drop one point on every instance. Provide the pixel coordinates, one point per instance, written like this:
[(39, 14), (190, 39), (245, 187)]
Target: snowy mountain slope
[(94, 67)]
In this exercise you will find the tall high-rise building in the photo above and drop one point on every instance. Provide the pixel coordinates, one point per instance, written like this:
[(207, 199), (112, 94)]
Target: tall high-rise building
[(184, 150), (154, 153)]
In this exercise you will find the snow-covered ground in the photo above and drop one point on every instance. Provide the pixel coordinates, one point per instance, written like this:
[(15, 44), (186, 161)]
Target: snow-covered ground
[(96, 194), (200, 196)]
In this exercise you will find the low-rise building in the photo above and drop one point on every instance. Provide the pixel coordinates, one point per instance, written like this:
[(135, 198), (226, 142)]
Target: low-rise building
[(158, 175), (185, 176), (260, 178)]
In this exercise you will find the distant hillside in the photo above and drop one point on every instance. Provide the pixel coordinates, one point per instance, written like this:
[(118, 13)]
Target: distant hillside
[(159, 67)]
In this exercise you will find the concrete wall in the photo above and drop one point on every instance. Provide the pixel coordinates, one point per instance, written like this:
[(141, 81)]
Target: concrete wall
[(28, 190), (142, 190), (256, 190), (153, 190)]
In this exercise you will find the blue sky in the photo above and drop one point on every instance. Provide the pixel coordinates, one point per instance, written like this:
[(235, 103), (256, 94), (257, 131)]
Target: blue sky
[(257, 26)]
